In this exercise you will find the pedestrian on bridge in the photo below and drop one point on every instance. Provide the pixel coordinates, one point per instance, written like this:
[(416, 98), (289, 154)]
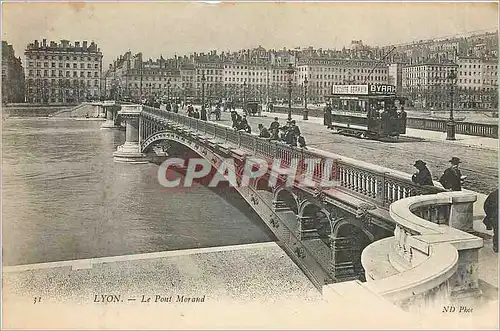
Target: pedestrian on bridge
[(190, 111), (452, 177), (301, 141), (274, 129), (491, 218), (234, 119), (243, 123), (196, 114), (423, 176), (203, 114), (327, 118), (264, 133)]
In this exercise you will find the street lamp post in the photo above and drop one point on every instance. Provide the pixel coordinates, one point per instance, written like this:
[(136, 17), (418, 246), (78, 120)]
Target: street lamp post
[(203, 90), (290, 72), (450, 125), (306, 111), (244, 94), (168, 90)]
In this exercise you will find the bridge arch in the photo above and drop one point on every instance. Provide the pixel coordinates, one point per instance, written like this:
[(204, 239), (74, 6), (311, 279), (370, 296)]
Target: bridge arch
[(163, 136), (343, 228), (318, 219), (284, 198)]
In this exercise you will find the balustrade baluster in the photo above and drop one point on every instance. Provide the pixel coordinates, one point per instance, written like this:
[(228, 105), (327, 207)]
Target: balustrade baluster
[(364, 184), (348, 178), (390, 192)]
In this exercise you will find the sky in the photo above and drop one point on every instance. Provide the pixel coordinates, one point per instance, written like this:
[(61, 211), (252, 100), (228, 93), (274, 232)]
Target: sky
[(184, 27)]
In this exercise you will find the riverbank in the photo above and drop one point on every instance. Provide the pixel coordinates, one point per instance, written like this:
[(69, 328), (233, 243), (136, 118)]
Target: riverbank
[(33, 110)]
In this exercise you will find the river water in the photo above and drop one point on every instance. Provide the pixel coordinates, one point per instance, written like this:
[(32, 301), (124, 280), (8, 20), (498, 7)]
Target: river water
[(64, 198)]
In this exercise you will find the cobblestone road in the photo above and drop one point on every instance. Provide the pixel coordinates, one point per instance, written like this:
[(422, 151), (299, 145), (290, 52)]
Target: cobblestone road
[(480, 165)]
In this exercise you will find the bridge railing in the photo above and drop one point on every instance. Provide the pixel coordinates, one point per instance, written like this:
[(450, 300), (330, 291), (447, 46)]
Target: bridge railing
[(379, 184), (426, 261), (467, 128)]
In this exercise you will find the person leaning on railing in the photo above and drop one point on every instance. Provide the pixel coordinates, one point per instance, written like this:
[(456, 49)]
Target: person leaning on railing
[(263, 132), (423, 176)]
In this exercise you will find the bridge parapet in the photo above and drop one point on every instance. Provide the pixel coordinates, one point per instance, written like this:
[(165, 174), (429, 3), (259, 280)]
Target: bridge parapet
[(430, 261), (377, 184)]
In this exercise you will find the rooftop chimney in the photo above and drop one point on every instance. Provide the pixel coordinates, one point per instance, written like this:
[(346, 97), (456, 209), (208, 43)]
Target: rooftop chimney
[(44, 42), (77, 44), (85, 44)]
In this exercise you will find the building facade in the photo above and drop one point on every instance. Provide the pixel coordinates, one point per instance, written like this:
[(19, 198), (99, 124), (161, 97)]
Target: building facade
[(428, 85), (322, 73), (418, 70), (62, 72), (12, 75), (477, 82)]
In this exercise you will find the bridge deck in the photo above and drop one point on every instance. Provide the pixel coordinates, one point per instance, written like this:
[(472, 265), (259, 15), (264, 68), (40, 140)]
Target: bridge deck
[(478, 155)]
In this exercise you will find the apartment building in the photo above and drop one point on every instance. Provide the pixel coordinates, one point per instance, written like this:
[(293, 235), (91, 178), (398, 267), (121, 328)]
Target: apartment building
[(62, 72), (12, 75), (429, 84), (322, 73)]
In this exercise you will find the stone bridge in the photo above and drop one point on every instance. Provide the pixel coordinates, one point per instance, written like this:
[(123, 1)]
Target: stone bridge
[(323, 230)]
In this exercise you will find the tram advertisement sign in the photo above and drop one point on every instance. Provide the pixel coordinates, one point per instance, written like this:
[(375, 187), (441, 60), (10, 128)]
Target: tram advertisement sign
[(365, 89), (350, 89), (382, 89)]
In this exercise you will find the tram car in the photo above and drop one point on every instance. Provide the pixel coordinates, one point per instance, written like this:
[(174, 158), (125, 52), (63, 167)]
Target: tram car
[(366, 111)]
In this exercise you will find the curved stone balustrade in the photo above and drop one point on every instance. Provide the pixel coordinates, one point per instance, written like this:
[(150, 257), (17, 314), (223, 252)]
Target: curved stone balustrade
[(382, 185), (425, 262)]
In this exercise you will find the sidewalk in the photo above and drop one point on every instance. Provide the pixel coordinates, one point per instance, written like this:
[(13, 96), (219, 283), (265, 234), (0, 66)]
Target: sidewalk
[(466, 140)]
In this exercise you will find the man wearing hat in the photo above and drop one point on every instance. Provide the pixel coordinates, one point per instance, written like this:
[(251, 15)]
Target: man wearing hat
[(423, 176), (274, 129), (452, 177)]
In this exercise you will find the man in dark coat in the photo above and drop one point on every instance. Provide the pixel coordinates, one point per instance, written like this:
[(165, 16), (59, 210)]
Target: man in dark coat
[(243, 123), (327, 119), (491, 218), (264, 133), (196, 114), (301, 141), (295, 132), (452, 177), (190, 111), (275, 125), (423, 176), (233, 118), (203, 114)]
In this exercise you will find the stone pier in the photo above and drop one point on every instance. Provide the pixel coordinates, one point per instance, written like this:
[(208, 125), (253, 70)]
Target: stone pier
[(111, 113), (130, 151)]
